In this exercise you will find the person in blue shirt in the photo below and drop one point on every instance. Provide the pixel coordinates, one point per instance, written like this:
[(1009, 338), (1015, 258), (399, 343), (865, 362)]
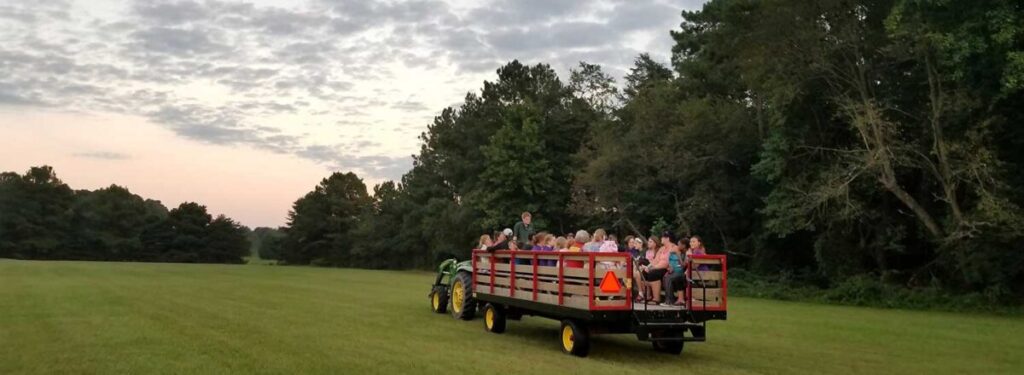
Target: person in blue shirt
[(675, 280)]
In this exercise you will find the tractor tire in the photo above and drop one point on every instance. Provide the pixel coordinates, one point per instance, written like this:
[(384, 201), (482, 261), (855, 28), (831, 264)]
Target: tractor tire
[(494, 318), (575, 338), (463, 305), (439, 300)]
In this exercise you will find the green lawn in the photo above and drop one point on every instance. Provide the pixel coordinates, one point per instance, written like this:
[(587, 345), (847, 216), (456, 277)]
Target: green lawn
[(106, 318)]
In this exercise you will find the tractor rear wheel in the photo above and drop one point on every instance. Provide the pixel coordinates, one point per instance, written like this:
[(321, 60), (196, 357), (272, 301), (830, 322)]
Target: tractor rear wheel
[(494, 318), (439, 300), (575, 338), (463, 305)]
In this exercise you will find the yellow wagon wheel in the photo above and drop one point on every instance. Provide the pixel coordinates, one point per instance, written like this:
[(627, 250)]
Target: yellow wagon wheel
[(494, 318), (575, 338)]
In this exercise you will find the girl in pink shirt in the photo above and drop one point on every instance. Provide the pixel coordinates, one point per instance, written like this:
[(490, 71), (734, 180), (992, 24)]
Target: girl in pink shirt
[(654, 272)]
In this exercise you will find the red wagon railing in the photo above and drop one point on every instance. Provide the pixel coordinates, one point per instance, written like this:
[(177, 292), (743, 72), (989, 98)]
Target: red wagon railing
[(603, 282), (708, 283)]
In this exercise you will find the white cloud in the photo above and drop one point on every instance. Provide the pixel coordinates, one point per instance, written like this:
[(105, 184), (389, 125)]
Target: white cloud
[(346, 83)]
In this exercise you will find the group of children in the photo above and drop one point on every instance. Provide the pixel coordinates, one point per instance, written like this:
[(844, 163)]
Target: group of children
[(662, 263)]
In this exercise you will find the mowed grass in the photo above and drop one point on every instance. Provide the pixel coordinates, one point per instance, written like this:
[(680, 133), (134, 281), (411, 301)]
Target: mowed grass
[(105, 318)]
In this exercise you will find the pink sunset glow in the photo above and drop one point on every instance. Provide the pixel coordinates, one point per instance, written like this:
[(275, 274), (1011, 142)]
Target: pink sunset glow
[(253, 186)]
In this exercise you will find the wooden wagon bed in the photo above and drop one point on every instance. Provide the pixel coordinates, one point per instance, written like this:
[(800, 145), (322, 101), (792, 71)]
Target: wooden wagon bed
[(587, 281)]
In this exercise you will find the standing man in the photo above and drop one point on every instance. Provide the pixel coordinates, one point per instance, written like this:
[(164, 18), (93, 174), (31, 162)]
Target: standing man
[(524, 231)]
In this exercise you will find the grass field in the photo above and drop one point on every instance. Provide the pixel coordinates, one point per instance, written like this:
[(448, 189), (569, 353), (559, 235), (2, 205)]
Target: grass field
[(105, 318)]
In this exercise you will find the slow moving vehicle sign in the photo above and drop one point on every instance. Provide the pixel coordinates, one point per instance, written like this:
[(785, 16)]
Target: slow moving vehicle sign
[(610, 284)]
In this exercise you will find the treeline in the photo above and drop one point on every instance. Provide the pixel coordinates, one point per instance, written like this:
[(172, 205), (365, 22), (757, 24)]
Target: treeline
[(41, 217), (821, 141), (266, 242)]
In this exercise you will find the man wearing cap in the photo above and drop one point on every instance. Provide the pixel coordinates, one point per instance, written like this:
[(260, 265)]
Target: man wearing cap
[(503, 239), (524, 231)]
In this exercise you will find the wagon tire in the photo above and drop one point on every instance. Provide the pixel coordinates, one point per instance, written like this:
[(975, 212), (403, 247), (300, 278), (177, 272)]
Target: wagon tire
[(699, 332), (575, 338), (494, 318), (668, 347)]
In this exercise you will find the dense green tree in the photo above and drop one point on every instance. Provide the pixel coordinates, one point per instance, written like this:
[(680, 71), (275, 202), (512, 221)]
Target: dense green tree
[(435, 223), (645, 73), (319, 224), (672, 153), (968, 63), (108, 223), (267, 242), (619, 180), (448, 199), (878, 142), (595, 87), (190, 235), (34, 214), (225, 242), (43, 218), (188, 222), (518, 172), (157, 240), (376, 247)]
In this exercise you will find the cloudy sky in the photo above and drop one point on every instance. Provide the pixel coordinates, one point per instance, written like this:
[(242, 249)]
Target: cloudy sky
[(245, 105)]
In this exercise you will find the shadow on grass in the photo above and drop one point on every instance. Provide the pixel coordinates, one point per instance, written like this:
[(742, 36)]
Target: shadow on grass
[(622, 349)]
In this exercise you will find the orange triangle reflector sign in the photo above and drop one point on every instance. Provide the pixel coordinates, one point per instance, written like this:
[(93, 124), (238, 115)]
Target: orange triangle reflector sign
[(610, 284)]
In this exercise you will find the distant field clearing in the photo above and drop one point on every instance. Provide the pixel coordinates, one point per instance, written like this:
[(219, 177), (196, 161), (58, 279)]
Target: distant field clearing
[(105, 318)]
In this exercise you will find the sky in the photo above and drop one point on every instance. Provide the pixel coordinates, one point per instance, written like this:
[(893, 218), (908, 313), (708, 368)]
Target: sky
[(244, 106)]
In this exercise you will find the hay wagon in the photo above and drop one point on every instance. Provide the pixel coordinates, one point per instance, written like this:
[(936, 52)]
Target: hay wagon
[(590, 293)]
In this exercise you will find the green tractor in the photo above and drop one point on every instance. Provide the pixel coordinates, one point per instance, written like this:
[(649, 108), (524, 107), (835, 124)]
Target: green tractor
[(453, 289)]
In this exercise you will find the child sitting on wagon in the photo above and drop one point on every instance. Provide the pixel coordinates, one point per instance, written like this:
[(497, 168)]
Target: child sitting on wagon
[(544, 241), (675, 280), (485, 242), (561, 244), (697, 248), (653, 273), (644, 290)]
